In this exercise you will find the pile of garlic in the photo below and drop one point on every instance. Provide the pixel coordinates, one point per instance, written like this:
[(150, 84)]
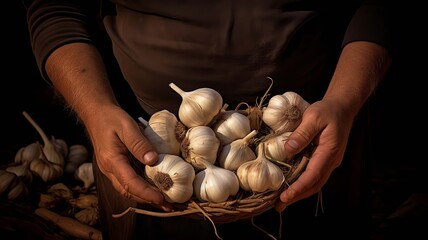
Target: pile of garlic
[(210, 152), (47, 161)]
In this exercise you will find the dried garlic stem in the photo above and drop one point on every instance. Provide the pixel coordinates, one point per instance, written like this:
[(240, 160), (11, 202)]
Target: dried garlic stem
[(52, 155), (42, 134)]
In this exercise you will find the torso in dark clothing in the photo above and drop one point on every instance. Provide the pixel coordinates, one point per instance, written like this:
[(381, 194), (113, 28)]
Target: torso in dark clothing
[(230, 46)]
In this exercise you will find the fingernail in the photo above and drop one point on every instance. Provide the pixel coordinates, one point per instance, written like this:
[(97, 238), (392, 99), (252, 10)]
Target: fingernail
[(293, 144), (150, 157)]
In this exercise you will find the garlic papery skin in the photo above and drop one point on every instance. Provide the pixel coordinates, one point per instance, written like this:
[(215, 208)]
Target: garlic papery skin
[(231, 125), (284, 112), (28, 153), (260, 175), (12, 186), (215, 184), (173, 176), (164, 131), (274, 147), (60, 145), (237, 152), (45, 169), (85, 174), (200, 144), (199, 107), (23, 172), (77, 154)]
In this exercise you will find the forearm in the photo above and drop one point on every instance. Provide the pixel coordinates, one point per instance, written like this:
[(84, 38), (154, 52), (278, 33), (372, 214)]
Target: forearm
[(77, 72), (361, 67)]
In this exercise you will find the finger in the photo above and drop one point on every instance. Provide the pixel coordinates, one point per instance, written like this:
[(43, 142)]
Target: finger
[(309, 182), (139, 146), (132, 185), (124, 190), (304, 134)]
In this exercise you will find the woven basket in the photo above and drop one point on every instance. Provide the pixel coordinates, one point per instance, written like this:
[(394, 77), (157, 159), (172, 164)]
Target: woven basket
[(245, 205)]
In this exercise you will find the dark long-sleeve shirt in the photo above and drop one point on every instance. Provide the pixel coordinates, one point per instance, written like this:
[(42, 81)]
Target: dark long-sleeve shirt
[(231, 46)]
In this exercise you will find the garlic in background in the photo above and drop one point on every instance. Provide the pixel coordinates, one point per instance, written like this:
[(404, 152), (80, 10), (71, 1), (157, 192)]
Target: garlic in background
[(199, 107), (11, 186), (23, 172), (173, 176), (284, 112), (164, 131), (215, 184), (200, 144), (28, 153), (46, 170), (88, 216), (49, 150), (77, 154), (85, 174)]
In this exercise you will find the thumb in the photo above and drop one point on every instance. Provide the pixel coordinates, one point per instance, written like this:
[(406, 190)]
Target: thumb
[(301, 137), (140, 147)]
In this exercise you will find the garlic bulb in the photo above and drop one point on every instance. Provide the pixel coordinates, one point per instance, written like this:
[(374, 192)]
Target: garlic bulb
[(11, 186), (85, 174), (200, 144), (274, 147), (284, 112), (260, 175), (215, 184), (45, 169), (88, 216), (236, 153), (22, 172), (60, 145), (77, 154), (198, 107), (173, 176), (164, 131), (231, 125), (26, 154), (84, 201), (60, 190), (49, 149)]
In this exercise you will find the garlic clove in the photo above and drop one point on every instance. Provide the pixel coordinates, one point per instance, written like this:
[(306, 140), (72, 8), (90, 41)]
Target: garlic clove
[(6, 179), (22, 172), (26, 154), (198, 107)]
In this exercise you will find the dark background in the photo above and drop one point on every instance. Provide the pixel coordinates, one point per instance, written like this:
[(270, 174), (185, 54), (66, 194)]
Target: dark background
[(398, 110)]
